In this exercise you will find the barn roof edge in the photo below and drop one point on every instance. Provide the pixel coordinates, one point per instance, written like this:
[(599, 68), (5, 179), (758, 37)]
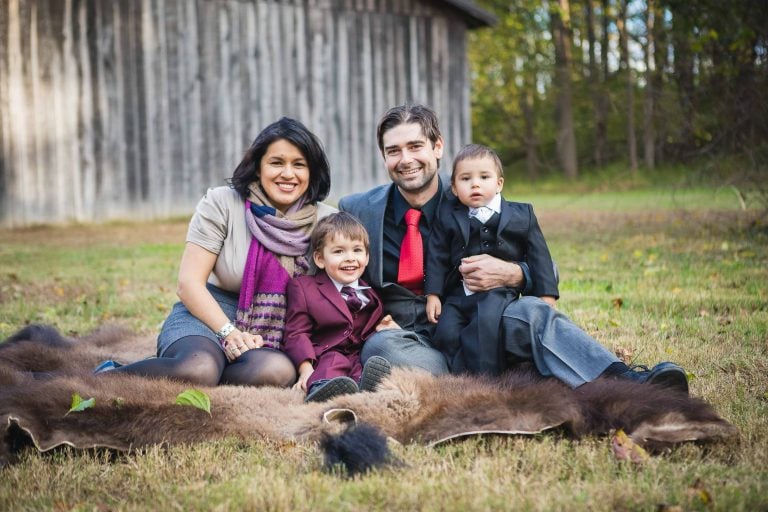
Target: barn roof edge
[(477, 16)]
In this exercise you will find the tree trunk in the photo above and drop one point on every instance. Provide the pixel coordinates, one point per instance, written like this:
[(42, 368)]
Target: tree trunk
[(595, 85), (531, 141), (601, 107), (621, 24), (661, 60), (566, 137), (683, 73), (649, 132)]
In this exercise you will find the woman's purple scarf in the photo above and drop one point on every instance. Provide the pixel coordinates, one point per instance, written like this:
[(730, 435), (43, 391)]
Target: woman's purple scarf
[(276, 254)]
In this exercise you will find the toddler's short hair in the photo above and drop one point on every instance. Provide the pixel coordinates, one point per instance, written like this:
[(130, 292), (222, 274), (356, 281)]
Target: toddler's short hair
[(341, 223), (475, 151)]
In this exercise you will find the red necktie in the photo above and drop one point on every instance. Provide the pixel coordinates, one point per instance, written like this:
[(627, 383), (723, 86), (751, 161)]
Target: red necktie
[(410, 272)]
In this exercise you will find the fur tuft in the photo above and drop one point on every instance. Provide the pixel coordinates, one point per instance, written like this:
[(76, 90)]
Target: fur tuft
[(357, 450)]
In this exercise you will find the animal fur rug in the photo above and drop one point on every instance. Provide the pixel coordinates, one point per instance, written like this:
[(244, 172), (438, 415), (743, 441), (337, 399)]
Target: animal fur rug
[(40, 370)]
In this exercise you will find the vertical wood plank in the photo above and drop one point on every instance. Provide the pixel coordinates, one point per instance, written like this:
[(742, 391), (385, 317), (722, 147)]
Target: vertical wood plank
[(196, 147), (148, 92), (86, 135), (20, 190), (6, 174)]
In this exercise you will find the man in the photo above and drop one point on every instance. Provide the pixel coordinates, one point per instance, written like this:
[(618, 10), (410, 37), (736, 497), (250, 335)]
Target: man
[(399, 218)]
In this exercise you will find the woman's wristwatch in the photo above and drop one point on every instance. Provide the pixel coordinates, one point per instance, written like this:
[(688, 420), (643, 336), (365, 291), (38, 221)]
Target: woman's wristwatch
[(225, 330)]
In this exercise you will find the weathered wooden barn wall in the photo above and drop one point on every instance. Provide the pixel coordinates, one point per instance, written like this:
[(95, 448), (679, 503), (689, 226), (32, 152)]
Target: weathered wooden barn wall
[(132, 108)]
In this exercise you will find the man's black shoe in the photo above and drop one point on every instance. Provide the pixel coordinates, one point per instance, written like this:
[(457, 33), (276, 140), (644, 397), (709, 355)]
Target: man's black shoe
[(666, 374)]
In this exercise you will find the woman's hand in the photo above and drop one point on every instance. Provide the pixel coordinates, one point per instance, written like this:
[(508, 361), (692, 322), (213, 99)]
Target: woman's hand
[(387, 323), (305, 371), (434, 308), (196, 265), (238, 343)]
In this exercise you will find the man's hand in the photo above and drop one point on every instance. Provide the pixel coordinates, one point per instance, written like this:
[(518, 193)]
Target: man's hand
[(387, 323), (434, 308), (549, 300), (484, 272)]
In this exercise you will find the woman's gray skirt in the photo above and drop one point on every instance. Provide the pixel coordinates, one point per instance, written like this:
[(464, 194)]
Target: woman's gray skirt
[(181, 323)]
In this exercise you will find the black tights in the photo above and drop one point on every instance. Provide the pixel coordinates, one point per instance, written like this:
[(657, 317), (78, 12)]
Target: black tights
[(197, 360)]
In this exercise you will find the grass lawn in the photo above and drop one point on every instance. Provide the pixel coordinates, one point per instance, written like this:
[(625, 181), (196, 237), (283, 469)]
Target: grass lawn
[(657, 275)]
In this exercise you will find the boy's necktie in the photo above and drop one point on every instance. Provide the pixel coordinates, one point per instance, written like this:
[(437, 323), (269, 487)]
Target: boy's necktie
[(410, 272), (354, 303)]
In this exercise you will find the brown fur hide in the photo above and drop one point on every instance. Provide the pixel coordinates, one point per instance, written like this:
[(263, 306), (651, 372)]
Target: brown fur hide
[(40, 370)]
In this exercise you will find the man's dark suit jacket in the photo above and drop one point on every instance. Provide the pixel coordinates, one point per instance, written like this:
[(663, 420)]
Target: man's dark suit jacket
[(318, 319), (518, 239)]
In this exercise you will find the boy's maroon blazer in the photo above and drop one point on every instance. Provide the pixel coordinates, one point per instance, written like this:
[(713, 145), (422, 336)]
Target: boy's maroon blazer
[(318, 319)]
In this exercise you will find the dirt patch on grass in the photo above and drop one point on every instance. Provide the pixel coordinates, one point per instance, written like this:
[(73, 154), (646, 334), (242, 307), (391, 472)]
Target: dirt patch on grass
[(552, 221), (112, 234), (570, 221)]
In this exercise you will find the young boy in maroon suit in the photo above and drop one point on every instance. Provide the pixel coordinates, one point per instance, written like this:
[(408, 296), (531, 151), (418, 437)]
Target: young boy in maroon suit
[(331, 313)]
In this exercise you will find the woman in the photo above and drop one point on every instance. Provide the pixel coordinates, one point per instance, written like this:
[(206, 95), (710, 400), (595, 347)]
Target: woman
[(245, 241)]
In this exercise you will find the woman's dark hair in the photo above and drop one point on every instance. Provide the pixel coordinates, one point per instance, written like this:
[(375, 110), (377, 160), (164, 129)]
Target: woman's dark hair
[(293, 131)]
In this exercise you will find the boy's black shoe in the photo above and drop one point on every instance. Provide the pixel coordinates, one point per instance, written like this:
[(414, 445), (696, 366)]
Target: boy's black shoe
[(337, 386), (375, 370)]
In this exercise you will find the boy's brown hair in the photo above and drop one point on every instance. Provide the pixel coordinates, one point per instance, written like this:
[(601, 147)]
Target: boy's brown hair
[(477, 151), (341, 223)]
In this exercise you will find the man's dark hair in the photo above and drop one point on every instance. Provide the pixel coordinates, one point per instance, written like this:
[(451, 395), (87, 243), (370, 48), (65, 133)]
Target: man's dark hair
[(297, 134), (403, 114)]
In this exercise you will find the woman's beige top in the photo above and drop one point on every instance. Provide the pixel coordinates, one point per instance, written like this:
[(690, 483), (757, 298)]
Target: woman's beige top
[(218, 226)]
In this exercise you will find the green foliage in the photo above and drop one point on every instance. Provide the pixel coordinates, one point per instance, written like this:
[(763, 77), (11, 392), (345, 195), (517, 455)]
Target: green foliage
[(710, 77), (79, 405), (194, 398)]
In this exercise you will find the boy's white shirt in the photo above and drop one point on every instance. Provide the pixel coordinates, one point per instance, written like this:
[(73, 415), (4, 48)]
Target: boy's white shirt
[(484, 213)]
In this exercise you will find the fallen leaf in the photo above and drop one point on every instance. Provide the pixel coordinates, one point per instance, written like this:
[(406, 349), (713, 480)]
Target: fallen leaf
[(79, 405), (698, 492), (625, 354), (194, 398), (626, 449)]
